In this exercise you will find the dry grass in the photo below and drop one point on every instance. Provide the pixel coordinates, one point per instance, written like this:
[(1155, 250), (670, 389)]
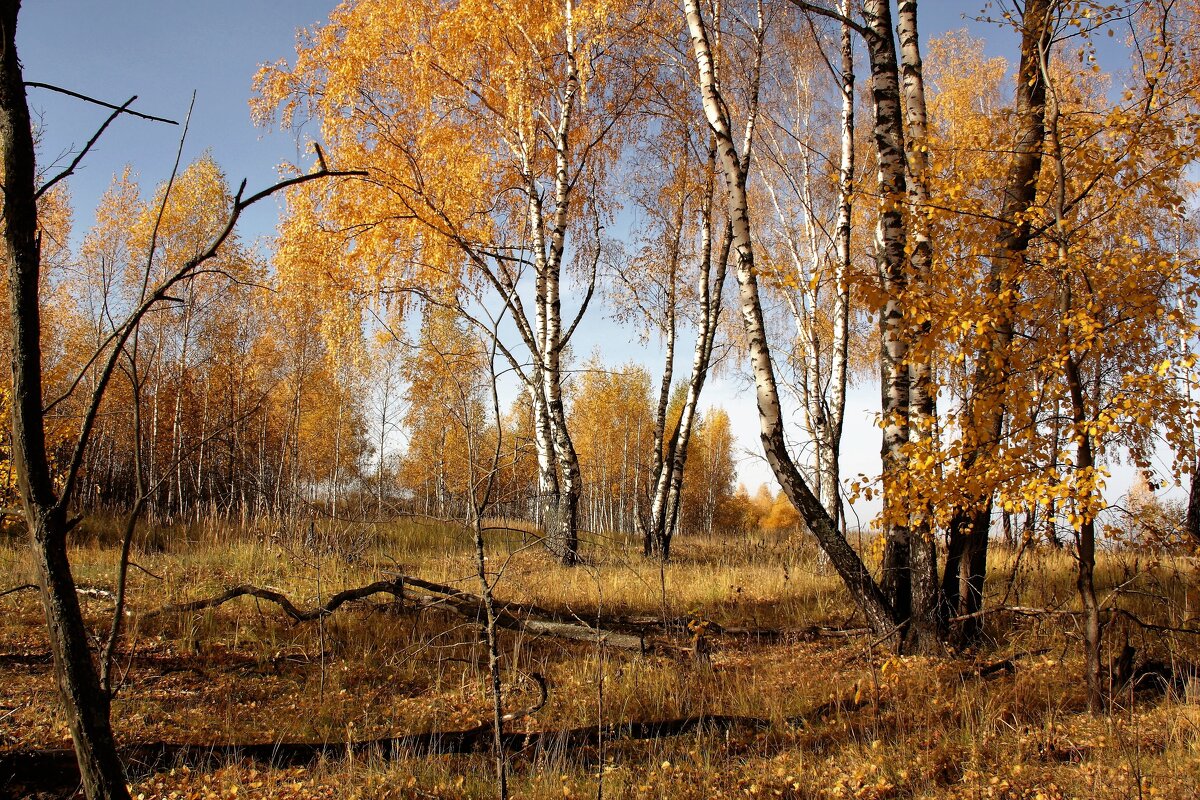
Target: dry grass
[(243, 673)]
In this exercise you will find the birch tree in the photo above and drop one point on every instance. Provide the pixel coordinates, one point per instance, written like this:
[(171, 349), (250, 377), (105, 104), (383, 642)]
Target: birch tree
[(487, 127), (672, 286), (672, 434), (811, 195), (735, 163), (923, 630), (1114, 238)]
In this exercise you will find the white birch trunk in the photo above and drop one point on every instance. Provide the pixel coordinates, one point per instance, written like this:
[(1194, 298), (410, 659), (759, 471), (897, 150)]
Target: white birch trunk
[(836, 411), (709, 289), (653, 535), (922, 634), (854, 574), (890, 262), (562, 532)]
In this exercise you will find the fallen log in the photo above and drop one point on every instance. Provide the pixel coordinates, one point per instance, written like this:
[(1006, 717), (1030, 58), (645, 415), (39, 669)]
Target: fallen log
[(394, 588), (574, 631), (86, 591), (43, 770), (508, 616), (620, 632)]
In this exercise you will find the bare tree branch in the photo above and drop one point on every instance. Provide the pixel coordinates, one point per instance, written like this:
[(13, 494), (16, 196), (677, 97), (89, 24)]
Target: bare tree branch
[(70, 170), (122, 334), (120, 109), (822, 11)]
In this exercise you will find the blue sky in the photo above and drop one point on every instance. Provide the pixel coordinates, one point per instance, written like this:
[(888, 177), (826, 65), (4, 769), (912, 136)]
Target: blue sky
[(164, 50)]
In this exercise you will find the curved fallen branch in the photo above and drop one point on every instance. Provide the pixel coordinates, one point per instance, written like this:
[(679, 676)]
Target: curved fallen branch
[(1111, 611), (394, 588), (620, 632), (24, 587), (509, 616), (543, 697)]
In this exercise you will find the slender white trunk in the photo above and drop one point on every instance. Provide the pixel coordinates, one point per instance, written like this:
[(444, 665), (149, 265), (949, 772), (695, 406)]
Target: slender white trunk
[(836, 411), (548, 257), (863, 588), (660, 466), (891, 261), (709, 290), (923, 634)]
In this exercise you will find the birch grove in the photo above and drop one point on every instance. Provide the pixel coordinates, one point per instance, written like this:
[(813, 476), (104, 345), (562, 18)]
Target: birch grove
[(1001, 250)]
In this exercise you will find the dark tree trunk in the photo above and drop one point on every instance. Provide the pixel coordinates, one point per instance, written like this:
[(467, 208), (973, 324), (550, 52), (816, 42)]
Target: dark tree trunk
[(1192, 523), (966, 568), (85, 705), (1085, 578), (966, 564)]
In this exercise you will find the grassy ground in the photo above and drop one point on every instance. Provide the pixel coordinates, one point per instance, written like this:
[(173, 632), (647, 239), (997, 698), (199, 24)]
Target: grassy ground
[(898, 727)]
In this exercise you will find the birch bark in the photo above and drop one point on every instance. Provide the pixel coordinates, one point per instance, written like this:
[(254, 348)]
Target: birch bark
[(549, 260), (836, 412), (659, 470), (823, 389), (890, 263), (559, 479), (854, 574), (923, 632), (710, 288)]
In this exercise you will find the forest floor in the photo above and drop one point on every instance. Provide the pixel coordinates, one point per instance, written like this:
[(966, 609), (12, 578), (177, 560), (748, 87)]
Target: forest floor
[(829, 714)]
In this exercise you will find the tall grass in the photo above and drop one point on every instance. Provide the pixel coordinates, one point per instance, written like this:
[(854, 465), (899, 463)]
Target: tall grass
[(890, 728)]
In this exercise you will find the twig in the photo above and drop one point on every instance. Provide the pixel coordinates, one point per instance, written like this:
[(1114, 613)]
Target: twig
[(75, 162), (143, 569), (119, 336), (1053, 612), (86, 591), (829, 13), (1150, 626), (543, 696), (1028, 611), (1012, 578), (84, 97)]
